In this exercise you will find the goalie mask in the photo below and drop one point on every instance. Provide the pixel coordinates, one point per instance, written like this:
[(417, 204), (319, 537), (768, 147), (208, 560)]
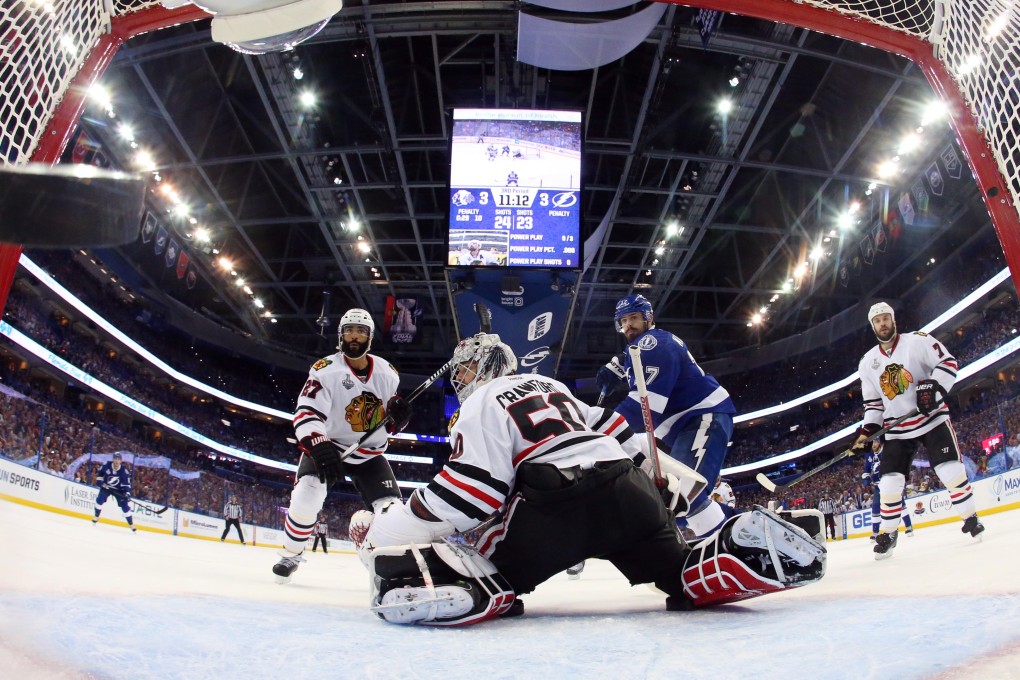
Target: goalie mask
[(478, 360), (355, 317)]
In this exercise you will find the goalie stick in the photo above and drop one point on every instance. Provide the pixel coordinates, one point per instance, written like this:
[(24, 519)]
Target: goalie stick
[(137, 504), (484, 323), (846, 453)]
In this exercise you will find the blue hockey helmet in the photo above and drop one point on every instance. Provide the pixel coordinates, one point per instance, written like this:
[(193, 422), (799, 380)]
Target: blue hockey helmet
[(631, 304)]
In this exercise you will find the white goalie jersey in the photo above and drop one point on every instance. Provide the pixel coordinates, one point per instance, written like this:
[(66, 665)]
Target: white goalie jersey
[(514, 420), (336, 402), (889, 382)]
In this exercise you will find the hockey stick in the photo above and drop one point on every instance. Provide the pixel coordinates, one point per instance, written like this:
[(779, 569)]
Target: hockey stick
[(137, 504), (646, 410), (602, 397), (485, 323), (846, 453)]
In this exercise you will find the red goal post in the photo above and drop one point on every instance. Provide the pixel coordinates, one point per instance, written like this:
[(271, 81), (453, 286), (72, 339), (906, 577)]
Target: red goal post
[(52, 51)]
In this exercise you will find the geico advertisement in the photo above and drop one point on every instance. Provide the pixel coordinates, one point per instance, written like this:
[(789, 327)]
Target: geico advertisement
[(988, 493)]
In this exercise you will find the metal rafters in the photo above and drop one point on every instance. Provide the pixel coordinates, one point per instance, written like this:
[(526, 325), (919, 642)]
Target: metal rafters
[(460, 54)]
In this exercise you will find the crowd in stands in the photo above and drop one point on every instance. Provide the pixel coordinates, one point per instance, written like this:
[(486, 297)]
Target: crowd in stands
[(59, 422), (823, 366)]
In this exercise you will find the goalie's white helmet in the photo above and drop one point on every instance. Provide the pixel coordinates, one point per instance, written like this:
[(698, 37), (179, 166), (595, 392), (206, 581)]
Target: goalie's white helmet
[(356, 317), (483, 357)]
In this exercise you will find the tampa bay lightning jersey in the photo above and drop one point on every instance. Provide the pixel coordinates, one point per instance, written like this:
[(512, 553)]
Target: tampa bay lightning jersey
[(678, 389), (872, 462), (118, 480)]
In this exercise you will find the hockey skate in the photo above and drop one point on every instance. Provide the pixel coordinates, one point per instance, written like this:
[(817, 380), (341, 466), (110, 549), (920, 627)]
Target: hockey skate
[(909, 532), (574, 572), (972, 526), (884, 545), (286, 567)]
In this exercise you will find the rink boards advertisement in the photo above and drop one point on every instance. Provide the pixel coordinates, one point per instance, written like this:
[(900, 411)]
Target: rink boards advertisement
[(30, 487), (936, 508)]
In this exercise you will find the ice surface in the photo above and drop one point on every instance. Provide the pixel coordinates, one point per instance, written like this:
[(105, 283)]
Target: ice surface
[(84, 601)]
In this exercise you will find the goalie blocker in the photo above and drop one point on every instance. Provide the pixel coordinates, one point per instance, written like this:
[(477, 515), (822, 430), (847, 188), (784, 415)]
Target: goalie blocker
[(442, 584)]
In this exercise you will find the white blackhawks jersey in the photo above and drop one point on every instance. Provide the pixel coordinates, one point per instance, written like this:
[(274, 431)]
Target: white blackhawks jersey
[(336, 402), (514, 420), (889, 382), (723, 493)]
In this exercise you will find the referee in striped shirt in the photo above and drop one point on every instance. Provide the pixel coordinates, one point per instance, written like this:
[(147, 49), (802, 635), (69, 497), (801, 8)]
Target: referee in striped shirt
[(232, 513), (828, 508)]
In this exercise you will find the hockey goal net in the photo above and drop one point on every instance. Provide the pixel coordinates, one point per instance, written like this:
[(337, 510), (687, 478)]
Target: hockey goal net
[(52, 51)]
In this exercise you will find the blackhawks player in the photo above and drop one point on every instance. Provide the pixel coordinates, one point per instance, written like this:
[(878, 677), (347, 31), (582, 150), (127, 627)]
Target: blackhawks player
[(902, 373), (342, 399), (565, 482)]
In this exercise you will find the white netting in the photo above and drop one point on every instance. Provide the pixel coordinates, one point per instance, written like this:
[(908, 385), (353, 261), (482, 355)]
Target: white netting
[(43, 44), (979, 43), (43, 47)]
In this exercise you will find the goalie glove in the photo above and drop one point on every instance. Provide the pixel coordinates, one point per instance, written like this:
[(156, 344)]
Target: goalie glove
[(672, 497), (326, 455), (927, 396)]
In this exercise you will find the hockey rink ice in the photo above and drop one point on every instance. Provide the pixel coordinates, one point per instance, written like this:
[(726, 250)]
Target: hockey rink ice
[(84, 601)]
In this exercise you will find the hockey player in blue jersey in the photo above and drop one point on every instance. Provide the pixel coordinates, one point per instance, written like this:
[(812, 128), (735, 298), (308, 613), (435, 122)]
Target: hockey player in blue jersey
[(113, 479), (692, 413), (871, 475)]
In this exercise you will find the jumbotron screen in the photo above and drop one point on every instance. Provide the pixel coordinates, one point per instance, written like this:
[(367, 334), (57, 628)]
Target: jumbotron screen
[(515, 189)]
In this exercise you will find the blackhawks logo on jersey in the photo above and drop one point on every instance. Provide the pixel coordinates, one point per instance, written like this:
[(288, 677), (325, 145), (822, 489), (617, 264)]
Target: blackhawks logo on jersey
[(321, 364), (364, 412), (895, 380)]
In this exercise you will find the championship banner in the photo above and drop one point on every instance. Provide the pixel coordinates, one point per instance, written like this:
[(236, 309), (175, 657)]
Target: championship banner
[(867, 249), (400, 323), (161, 238), (934, 176), (171, 252), (182, 264), (149, 227), (906, 208), (85, 149), (951, 161)]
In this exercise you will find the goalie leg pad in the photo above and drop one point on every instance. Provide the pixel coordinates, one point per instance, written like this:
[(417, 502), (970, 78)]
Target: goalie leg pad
[(436, 584), (811, 521), (754, 553)]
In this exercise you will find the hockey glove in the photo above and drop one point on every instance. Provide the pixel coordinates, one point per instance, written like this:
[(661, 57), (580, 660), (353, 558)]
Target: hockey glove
[(927, 396), (399, 411), (611, 380), (326, 455), (862, 433)]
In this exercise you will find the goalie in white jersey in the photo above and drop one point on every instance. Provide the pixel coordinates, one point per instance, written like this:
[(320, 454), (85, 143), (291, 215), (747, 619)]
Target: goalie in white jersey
[(563, 481), (904, 373), (342, 399)]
